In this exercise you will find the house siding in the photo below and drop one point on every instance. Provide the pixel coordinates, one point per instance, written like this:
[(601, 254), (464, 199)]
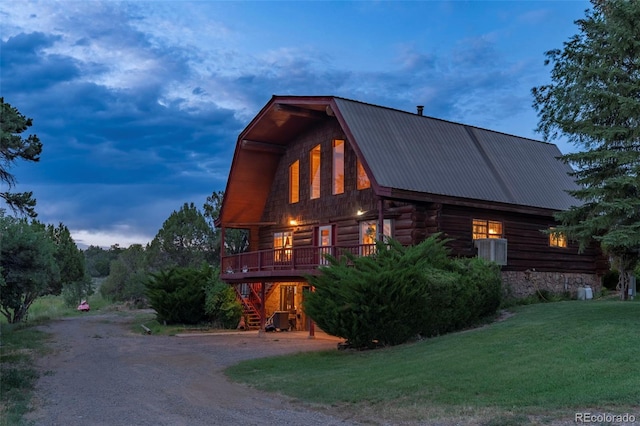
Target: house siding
[(528, 246), (338, 210)]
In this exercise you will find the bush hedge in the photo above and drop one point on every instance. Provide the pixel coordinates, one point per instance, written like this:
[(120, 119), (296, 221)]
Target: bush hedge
[(178, 294), (402, 292)]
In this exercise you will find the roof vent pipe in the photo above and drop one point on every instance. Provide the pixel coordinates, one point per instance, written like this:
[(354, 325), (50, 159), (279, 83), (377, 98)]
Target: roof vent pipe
[(420, 109)]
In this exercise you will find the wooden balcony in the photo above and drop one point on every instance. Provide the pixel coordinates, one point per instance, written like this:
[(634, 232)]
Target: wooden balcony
[(284, 263)]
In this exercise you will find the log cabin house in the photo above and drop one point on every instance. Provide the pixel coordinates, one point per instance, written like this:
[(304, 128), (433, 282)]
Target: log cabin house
[(322, 174)]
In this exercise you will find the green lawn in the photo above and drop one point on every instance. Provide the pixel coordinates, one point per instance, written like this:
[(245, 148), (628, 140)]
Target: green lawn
[(554, 357)]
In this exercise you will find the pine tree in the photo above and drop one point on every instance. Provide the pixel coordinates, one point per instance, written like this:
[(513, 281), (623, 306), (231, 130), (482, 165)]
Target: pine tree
[(594, 101), (14, 147)]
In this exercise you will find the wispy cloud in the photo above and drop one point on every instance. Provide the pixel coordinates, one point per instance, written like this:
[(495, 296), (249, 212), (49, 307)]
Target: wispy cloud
[(139, 104)]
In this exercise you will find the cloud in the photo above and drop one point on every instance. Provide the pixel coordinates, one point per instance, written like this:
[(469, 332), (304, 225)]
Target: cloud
[(123, 235), (139, 104)]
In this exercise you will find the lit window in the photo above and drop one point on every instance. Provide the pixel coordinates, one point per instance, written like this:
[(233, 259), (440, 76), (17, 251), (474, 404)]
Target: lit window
[(314, 172), (282, 243), (338, 167), (363, 181), (369, 234), (486, 229), (294, 182), (557, 239)]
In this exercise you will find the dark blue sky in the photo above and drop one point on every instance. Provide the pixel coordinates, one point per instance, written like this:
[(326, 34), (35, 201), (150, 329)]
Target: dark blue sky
[(138, 104)]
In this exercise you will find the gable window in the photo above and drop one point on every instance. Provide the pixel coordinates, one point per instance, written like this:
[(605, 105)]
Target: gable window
[(338, 167), (369, 234), (362, 181), (486, 229), (314, 172), (282, 243), (294, 182), (557, 239)]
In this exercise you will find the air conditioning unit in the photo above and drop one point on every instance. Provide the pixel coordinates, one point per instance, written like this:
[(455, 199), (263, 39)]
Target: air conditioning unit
[(493, 249)]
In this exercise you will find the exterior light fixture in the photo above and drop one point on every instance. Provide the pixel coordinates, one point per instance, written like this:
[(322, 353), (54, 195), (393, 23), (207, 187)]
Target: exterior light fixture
[(293, 222), (359, 212)]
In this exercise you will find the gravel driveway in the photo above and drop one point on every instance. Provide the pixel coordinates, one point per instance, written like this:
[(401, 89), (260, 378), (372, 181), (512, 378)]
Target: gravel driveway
[(101, 373)]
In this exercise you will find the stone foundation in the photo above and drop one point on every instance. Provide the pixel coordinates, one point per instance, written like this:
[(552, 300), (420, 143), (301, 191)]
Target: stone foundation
[(519, 284)]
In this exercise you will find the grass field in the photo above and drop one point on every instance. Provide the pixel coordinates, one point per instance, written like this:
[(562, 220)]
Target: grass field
[(547, 360)]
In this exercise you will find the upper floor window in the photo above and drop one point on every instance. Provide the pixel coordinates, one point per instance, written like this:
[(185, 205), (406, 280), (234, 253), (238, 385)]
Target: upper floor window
[(486, 229), (294, 182), (557, 239), (314, 172), (363, 181), (338, 167)]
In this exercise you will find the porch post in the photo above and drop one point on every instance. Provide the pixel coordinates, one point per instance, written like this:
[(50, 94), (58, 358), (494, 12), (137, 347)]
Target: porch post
[(263, 314), (380, 219), (312, 325), (222, 250), (312, 329)]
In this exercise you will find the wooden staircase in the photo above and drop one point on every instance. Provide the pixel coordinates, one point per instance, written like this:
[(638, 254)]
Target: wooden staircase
[(251, 303)]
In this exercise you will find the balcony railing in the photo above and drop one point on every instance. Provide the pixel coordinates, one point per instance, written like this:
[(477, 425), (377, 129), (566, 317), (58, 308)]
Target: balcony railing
[(292, 258)]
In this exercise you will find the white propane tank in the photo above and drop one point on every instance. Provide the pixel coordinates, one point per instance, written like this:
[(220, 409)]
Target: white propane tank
[(588, 293), (582, 294)]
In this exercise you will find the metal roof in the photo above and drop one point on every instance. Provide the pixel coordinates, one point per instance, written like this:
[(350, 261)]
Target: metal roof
[(412, 152), (401, 151)]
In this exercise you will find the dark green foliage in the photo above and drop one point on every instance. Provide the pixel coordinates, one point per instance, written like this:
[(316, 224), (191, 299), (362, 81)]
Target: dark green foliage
[(401, 292), (28, 266), (178, 294), (185, 240), (235, 240), (594, 101), (98, 260), (75, 282), (14, 147), (610, 279), (127, 276), (221, 304)]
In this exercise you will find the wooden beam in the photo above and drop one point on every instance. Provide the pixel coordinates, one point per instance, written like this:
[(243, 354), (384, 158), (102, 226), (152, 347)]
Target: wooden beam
[(301, 112), (262, 146), (246, 225), (412, 196)]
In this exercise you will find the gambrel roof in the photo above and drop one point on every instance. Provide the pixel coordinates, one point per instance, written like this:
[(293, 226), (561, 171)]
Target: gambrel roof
[(405, 155), (423, 154)]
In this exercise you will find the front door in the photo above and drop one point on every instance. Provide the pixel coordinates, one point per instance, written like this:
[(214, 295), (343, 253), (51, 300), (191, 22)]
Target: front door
[(324, 242)]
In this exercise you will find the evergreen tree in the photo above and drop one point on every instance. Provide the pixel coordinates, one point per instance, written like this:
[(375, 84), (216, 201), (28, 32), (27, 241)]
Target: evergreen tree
[(235, 240), (75, 282), (594, 101), (14, 147), (27, 266), (185, 240)]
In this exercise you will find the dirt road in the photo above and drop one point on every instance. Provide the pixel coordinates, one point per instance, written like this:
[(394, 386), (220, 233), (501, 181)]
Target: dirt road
[(102, 373)]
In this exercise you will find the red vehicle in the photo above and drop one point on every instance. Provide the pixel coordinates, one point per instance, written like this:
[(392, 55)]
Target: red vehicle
[(84, 306)]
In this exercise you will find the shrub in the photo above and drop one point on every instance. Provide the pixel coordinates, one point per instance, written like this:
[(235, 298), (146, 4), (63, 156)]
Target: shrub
[(398, 293), (221, 304), (178, 294)]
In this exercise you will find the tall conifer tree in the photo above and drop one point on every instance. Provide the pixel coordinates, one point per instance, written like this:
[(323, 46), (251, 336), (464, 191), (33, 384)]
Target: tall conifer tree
[(594, 101)]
